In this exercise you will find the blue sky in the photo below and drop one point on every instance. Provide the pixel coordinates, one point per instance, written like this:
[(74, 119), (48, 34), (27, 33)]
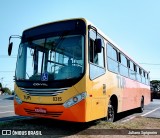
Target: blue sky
[(132, 24)]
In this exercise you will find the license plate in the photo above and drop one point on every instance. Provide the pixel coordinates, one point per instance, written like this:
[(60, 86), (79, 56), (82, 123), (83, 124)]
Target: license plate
[(40, 110)]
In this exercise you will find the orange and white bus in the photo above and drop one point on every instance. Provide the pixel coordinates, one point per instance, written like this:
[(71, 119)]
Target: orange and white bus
[(69, 70)]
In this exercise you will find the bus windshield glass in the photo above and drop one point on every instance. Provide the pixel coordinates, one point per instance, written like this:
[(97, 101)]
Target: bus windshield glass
[(56, 57)]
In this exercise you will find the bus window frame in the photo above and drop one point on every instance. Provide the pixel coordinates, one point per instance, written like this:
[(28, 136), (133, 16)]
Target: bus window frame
[(121, 64), (108, 57), (94, 65), (103, 47)]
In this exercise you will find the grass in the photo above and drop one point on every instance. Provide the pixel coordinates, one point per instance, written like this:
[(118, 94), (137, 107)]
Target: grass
[(136, 123), (70, 128), (39, 123)]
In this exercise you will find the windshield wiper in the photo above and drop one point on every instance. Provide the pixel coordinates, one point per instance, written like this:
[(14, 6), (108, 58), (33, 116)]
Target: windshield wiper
[(60, 39)]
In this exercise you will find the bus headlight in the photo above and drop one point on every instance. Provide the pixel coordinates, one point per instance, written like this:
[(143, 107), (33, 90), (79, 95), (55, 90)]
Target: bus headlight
[(18, 100), (74, 100)]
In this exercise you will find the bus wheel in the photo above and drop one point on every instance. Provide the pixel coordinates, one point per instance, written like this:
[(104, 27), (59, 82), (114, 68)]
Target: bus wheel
[(141, 108), (111, 114)]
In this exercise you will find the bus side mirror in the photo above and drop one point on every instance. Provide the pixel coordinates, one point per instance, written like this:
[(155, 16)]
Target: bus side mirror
[(98, 45), (11, 43), (10, 48)]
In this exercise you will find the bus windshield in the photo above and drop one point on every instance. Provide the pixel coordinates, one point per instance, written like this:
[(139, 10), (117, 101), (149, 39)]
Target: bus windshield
[(51, 58)]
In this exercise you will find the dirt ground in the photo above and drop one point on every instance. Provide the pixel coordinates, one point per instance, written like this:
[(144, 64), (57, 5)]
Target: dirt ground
[(137, 127)]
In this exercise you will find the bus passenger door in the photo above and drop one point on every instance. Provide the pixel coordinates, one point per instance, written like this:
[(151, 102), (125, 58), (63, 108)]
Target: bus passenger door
[(97, 76)]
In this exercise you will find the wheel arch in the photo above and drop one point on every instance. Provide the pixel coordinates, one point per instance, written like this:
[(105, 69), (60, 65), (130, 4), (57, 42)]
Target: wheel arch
[(114, 102)]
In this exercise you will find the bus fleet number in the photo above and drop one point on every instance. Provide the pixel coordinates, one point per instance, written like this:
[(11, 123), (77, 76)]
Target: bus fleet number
[(57, 98)]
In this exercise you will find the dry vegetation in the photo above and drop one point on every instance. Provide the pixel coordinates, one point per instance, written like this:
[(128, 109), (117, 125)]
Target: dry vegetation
[(68, 129)]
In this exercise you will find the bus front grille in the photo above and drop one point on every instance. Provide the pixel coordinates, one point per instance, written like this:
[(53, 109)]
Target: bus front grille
[(48, 113), (43, 92)]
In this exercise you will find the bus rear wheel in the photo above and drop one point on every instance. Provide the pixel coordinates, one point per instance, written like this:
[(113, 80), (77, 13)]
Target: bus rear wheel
[(141, 108)]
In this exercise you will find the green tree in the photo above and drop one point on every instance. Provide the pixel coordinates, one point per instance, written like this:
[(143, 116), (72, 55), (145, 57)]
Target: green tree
[(155, 81), (7, 90)]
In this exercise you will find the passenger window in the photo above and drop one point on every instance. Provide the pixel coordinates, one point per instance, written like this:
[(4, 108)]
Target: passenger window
[(144, 74), (139, 74), (147, 79), (112, 58), (132, 71), (135, 68), (123, 60), (143, 77), (112, 53), (101, 58), (131, 66), (123, 69), (96, 58)]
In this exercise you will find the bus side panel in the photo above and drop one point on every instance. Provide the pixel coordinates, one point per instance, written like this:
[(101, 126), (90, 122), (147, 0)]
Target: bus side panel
[(114, 88), (127, 91), (99, 98), (132, 94)]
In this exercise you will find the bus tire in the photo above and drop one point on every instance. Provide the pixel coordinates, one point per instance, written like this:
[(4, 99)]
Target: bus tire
[(141, 108), (111, 113)]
